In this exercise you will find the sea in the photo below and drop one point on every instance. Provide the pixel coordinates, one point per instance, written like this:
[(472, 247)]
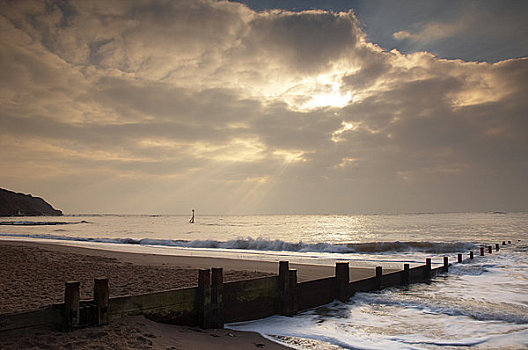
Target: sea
[(478, 305)]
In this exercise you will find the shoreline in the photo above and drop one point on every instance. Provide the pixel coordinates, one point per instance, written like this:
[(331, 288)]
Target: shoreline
[(306, 272), (34, 274)]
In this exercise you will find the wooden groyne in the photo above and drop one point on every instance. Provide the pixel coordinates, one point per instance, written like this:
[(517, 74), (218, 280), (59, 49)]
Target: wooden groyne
[(213, 302)]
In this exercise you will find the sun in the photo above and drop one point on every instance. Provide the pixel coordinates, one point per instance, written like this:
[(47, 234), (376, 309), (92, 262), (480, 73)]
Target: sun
[(324, 90), (334, 99)]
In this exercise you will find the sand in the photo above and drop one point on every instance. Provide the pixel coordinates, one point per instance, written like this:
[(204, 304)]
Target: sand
[(137, 332), (33, 275)]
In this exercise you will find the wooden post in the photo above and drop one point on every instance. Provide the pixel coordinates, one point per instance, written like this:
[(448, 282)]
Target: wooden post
[(217, 305), (481, 251), (292, 305), (497, 247), (284, 267), (101, 299), (490, 249), (342, 274), (509, 242), (204, 297), (471, 257), (405, 279), (427, 271), (379, 277), (503, 242), (446, 263), (71, 305)]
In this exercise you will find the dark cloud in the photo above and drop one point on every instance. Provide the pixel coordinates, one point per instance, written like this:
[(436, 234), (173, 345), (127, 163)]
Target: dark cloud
[(283, 129), (306, 41), (472, 30)]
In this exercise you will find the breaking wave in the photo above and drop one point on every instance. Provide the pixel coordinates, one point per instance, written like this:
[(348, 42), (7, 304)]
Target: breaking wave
[(263, 244)]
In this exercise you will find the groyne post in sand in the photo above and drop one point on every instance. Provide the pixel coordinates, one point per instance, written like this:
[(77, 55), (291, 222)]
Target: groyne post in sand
[(292, 306), (101, 300), (481, 251), (71, 305), (405, 276), (497, 247), (210, 298), (490, 249), (342, 274), (288, 299), (379, 277), (217, 306), (427, 270), (446, 263), (204, 297), (471, 256), (460, 258), (284, 267)]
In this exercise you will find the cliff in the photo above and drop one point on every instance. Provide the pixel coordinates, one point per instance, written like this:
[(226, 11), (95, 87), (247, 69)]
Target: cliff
[(18, 204)]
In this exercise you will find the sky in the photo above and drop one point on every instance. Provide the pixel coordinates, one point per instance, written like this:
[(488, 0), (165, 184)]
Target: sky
[(265, 107)]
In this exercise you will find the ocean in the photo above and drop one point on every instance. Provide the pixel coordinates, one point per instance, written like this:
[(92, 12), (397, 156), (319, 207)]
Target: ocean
[(482, 305)]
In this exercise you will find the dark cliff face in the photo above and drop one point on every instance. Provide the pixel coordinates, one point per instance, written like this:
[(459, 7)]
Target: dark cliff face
[(18, 204)]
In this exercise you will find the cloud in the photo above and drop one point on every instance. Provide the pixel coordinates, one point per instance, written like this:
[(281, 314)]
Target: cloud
[(432, 31), (212, 105), (308, 41)]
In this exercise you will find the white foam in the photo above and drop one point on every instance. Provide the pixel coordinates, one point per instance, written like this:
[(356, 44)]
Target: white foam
[(263, 244), (488, 309)]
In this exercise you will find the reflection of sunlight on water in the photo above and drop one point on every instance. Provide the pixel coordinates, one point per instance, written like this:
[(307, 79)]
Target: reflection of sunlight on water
[(306, 228)]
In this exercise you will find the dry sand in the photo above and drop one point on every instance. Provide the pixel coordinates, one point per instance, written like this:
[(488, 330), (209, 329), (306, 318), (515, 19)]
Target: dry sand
[(33, 275)]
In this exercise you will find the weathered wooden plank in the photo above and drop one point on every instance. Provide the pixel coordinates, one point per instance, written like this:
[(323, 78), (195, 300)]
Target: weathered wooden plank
[(392, 279), (161, 303), (251, 299), (316, 292), (366, 285), (46, 317)]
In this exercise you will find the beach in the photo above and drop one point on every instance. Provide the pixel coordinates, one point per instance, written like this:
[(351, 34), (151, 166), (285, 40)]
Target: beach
[(478, 304), (137, 332), (34, 276)]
